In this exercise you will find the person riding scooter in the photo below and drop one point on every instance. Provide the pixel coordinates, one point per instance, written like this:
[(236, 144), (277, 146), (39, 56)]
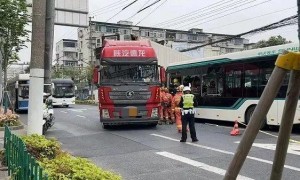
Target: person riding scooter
[(47, 113)]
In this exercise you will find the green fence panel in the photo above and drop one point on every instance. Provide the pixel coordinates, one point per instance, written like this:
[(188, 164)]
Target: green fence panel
[(21, 165)]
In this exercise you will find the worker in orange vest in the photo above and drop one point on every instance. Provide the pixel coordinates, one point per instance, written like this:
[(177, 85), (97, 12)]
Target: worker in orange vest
[(161, 112), (176, 108), (166, 104)]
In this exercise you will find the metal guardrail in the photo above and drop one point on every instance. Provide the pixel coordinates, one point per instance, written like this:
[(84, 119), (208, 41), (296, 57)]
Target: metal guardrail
[(21, 165)]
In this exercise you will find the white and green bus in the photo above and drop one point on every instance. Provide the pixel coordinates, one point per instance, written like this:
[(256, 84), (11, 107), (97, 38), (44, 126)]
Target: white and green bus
[(228, 87)]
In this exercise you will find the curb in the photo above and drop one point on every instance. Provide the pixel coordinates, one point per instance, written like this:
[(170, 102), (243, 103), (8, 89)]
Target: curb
[(13, 127)]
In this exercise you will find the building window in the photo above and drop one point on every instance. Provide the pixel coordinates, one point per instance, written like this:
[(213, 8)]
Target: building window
[(98, 27), (70, 63), (143, 34), (69, 44), (72, 55), (229, 50), (98, 42), (111, 30)]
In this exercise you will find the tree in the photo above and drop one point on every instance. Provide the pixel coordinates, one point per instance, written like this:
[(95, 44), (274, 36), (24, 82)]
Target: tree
[(272, 41), (13, 35)]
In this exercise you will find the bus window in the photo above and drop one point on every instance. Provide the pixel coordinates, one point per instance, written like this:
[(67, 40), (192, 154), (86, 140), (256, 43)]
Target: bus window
[(251, 80), (212, 85), (233, 83), (24, 92)]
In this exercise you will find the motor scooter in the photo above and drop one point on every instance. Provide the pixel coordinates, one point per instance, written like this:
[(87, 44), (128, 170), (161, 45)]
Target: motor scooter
[(48, 115)]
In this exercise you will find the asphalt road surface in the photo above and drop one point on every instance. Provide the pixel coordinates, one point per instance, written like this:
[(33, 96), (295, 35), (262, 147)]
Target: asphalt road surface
[(142, 153)]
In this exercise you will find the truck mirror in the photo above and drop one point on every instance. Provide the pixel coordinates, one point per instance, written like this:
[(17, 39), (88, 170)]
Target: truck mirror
[(162, 74), (96, 75)]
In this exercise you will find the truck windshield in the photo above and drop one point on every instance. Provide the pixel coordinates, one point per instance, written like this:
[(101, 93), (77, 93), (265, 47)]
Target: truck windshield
[(129, 73)]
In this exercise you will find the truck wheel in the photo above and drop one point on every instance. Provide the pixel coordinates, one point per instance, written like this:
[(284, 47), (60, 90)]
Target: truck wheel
[(153, 124), (249, 115), (105, 126)]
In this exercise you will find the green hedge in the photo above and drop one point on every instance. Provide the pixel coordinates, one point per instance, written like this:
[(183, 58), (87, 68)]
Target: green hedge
[(60, 165)]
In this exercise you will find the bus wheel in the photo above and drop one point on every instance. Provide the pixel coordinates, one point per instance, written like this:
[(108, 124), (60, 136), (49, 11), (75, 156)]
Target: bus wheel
[(249, 115)]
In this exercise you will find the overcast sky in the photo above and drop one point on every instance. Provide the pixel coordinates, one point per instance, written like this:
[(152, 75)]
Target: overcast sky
[(238, 16)]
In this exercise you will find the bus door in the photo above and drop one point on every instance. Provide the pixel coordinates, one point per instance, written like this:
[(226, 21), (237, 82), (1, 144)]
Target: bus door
[(233, 85), (212, 88)]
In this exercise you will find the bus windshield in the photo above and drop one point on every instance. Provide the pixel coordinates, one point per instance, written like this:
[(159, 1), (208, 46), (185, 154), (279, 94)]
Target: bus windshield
[(63, 90), (129, 73)]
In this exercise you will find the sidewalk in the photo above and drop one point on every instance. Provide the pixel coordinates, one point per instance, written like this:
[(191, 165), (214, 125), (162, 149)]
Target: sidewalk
[(3, 173)]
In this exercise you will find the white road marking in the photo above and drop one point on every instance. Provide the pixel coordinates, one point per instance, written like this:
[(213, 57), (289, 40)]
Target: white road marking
[(77, 110), (294, 148), (226, 152), (198, 164), (81, 116), (63, 111)]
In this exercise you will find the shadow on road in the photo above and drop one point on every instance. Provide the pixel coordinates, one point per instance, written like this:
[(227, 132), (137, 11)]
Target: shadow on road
[(129, 127)]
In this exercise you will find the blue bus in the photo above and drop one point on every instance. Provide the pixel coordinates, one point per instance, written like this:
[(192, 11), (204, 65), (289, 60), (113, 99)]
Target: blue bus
[(18, 88)]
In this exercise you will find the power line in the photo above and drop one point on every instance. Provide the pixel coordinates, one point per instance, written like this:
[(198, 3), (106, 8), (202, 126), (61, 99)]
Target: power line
[(215, 11), (188, 14), (111, 10), (122, 9), (284, 22), (148, 6), (228, 14), (219, 27), (140, 9), (151, 12), (108, 6)]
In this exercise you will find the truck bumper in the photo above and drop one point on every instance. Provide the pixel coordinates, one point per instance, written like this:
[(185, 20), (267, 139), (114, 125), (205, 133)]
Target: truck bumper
[(116, 121)]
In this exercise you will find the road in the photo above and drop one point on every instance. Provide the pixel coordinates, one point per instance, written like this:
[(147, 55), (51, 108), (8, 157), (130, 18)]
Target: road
[(142, 153)]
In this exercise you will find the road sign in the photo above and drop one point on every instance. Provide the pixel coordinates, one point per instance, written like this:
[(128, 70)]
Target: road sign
[(68, 12)]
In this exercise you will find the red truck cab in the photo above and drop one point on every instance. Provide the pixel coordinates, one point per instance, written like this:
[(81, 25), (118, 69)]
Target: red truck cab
[(128, 79)]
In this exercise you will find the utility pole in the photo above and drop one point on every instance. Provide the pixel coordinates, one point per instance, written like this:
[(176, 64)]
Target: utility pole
[(36, 83), (91, 51), (1, 79), (50, 16)]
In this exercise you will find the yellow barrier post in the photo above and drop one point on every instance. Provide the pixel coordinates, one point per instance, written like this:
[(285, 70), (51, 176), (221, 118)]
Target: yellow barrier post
[(286, 61), (288, 115)]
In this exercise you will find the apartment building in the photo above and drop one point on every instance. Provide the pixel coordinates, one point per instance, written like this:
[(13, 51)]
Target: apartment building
[(90, 38), (67, 53)]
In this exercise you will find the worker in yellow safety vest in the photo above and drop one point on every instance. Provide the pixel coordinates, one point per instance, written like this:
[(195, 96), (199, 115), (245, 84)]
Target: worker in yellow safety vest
[(187, 104)]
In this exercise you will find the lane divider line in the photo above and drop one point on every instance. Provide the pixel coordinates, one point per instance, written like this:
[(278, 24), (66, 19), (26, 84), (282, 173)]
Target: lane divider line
[(226, 152), (291, 140), (81, 116), (198, 164)]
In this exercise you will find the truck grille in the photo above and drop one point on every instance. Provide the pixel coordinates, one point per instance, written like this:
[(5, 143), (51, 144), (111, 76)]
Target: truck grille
[(129, 95)]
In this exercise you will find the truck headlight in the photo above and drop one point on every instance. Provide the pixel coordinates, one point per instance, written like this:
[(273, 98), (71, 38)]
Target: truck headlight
[(154, 112), (105, 113)]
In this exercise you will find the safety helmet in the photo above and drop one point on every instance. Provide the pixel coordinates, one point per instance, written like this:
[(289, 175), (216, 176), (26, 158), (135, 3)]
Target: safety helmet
[(175, 80), (180, 88), (186, 88), (166, 90)]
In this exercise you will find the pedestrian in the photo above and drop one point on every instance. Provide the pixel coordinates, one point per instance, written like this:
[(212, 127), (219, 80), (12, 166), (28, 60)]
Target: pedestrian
[(187, 103), (176, 108), (161, 111), (167, 100)]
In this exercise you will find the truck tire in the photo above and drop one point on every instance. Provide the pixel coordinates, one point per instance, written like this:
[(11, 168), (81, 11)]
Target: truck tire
[(105, 126), (248, 115), (152, 125)]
